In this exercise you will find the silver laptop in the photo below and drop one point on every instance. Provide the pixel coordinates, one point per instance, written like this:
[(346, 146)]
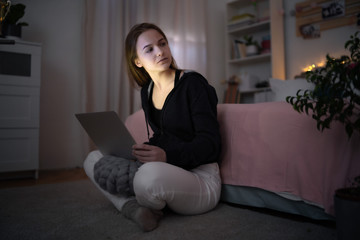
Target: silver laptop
[(108, 133)]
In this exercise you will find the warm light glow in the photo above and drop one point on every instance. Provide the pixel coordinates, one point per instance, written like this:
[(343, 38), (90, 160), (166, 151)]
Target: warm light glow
[(313, 66), (317, 65), (321, 64), (309, 68)]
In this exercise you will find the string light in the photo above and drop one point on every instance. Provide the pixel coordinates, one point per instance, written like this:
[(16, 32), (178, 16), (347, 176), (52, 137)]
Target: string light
[(313, 66), (309, 68)]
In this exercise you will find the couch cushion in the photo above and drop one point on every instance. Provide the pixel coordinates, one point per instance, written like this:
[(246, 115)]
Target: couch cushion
[(272, 147)]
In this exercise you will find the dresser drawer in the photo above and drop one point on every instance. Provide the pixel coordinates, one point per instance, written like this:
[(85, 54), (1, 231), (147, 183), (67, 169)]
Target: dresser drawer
[(19, 107), (19, 149), (20, 64)]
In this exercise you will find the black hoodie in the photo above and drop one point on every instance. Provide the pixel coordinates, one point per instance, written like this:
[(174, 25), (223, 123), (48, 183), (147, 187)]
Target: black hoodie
[(189, 130)]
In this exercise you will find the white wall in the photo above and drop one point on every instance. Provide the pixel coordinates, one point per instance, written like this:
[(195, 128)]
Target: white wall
[(216, 45), (57, 25)]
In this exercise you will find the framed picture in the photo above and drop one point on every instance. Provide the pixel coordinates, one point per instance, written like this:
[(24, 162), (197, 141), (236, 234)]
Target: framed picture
[(333, 9)]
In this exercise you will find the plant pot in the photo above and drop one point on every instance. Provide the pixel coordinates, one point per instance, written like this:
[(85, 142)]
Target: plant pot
[(347, 213), (11, 31), (251, 50)]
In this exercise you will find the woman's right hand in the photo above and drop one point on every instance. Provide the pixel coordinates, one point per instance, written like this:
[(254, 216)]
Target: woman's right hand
[(148, 153)]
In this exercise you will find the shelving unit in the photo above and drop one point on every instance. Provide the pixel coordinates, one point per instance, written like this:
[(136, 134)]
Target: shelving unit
[(267, 23), (20, 72)]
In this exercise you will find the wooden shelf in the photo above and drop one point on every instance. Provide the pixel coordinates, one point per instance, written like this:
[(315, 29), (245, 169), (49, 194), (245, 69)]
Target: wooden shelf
[(255, 27), (241, 3), (251, 59)]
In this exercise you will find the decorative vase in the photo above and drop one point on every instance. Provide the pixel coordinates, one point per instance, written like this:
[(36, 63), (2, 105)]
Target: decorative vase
[(251, 50), (11, 31), (347, 213)]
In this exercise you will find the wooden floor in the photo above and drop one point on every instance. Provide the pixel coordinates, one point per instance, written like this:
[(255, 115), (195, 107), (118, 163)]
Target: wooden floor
[(45, 177)]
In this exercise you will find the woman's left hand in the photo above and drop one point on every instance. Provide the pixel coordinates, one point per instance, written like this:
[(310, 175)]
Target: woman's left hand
[(148, 153)]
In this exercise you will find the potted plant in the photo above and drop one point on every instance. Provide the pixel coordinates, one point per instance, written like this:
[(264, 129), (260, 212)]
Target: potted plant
[(11, 25), (336, 97), (252, 46), (347, 210)]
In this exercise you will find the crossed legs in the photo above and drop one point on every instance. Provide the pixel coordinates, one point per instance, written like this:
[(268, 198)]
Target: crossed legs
[(158, 184)]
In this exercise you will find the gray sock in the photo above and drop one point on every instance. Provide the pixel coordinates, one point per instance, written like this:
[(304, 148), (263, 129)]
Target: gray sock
[(146, 218)]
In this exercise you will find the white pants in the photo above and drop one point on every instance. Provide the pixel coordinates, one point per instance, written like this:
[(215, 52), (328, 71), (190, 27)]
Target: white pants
[(158, 184)]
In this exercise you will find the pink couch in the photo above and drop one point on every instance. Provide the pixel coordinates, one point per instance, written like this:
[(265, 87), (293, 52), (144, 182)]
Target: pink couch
[(274, 157)]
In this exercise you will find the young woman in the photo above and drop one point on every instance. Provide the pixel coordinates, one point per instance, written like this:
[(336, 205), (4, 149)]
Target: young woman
[(180, 161)]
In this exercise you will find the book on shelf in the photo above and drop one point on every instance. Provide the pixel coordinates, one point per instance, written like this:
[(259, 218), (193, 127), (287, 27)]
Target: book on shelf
[(239, 49), (234, 26), (239, 21)]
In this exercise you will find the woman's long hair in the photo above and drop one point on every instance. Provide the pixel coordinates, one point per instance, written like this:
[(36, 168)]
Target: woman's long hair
[(139, 75)]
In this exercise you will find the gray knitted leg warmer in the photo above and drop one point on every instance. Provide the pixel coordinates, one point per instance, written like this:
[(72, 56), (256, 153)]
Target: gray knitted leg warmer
[(115, 175)]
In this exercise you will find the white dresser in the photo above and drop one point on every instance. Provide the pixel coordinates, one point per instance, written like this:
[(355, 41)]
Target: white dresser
[(20, 71)]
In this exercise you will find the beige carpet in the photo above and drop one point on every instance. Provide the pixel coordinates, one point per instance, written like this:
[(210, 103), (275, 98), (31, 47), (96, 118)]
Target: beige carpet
[(77, 210)]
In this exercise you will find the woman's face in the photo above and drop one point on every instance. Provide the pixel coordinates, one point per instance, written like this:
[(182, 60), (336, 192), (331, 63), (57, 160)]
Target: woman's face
[(153, 52)]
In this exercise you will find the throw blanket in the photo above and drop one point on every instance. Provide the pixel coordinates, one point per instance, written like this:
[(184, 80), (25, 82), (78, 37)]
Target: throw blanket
[(115, 175)]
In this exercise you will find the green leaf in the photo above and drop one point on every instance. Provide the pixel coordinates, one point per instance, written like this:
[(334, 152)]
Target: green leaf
[(319, 126), (327, 122), (306, 109), (309, 105), (349, 130), (16, 12), (288, 99)]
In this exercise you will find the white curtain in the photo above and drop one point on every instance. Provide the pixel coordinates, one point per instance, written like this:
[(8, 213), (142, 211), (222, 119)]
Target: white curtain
[(184, 23), (106, 84), (106, 23)]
